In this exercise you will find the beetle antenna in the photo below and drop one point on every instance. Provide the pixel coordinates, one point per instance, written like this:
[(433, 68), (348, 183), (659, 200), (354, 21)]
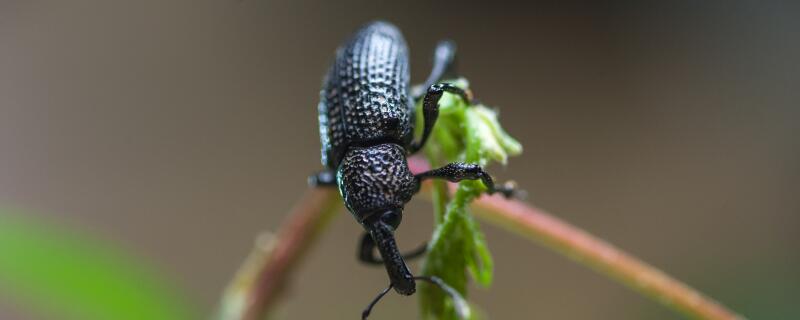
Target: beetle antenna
[(366, 311), (459, 303)]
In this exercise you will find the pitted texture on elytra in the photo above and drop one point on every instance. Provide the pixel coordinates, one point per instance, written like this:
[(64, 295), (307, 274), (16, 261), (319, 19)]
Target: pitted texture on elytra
[(375, 178), (365, 96)]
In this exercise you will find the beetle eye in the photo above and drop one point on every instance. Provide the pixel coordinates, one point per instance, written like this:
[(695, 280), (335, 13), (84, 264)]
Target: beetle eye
[(392, 218)]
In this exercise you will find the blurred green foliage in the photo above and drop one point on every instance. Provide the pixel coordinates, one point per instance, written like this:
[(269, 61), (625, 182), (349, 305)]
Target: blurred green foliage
[(52, 271), (472, 134)]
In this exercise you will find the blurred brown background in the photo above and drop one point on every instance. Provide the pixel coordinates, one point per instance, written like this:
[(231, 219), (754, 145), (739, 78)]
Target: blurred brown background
[(181, 129)]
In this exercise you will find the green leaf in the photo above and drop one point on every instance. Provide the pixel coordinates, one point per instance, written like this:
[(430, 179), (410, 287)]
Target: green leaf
[(494, 143), (469, 133), (50, 270)]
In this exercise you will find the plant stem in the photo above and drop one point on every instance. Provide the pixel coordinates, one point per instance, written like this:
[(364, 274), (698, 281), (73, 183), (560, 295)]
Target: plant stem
[(260, 281), (588, 250)]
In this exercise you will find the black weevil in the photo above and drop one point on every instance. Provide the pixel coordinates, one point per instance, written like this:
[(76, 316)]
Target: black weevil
[(366, 125)]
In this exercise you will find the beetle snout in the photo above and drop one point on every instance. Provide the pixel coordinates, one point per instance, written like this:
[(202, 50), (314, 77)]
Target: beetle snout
[(407, 286)]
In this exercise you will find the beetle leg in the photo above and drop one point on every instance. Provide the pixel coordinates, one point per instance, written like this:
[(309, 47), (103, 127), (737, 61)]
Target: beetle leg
[(430, 109), (444, 67), (366, 251), (457, 171), (324, 178), (416, 253)]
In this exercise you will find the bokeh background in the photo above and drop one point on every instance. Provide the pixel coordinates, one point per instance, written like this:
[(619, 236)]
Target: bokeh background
[(179, 130)]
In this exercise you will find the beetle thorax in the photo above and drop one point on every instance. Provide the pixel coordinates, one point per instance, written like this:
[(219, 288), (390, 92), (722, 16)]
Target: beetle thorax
[(374, 179)]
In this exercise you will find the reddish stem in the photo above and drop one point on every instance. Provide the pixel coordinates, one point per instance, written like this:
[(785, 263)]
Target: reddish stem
[(263, 279), (305, 222), (588, 250)]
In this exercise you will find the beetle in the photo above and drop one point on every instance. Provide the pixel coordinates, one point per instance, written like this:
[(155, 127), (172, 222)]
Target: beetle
[(366, 121)]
